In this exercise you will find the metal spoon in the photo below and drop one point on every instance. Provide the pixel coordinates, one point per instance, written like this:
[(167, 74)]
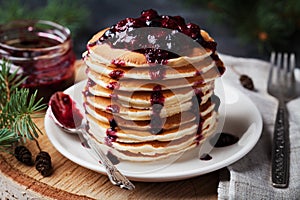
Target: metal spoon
[(114, 175)]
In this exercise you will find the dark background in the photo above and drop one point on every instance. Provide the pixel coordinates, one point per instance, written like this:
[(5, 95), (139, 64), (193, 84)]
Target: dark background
[(100, 14)]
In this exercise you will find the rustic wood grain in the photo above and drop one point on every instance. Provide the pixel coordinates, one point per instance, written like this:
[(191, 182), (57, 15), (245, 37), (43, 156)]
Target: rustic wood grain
[(71, 181)]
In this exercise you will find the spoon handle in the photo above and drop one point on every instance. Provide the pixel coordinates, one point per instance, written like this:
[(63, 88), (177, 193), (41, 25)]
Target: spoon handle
[(114, 175)]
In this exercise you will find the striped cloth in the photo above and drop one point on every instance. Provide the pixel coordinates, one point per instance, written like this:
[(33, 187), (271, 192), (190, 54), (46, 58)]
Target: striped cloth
[(250, 177)]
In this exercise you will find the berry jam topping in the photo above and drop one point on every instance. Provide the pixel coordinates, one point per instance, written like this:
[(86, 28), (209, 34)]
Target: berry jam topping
[(113, 85), (116, 74), (157, 45), (157, 100), (109, 139), (65, 110), (157, 96), (226, 139), (113, 108), (118, 63), (111, 132), (91, 83), (205, 157), (113, 124)]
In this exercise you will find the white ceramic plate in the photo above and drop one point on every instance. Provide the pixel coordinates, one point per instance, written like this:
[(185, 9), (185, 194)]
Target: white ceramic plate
[(242, 119)]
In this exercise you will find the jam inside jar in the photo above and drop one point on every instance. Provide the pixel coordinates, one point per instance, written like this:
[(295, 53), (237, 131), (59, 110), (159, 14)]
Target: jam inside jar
[(43, 50)]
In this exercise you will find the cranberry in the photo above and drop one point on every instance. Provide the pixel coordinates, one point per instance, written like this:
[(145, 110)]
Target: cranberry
[(116, 74), (110, 139), (192, 30), (137, 23), (153, 23), (113, 85), (157, 98), (149, 14), (118, 62), (111, 132), (169, 23), (121, 25), (180, 21)]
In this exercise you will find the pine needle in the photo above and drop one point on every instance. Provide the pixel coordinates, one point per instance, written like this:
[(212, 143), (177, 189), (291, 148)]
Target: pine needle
[(17, 108)]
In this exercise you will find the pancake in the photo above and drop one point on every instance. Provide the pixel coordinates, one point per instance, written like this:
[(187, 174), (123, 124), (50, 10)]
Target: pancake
[(150, 89)]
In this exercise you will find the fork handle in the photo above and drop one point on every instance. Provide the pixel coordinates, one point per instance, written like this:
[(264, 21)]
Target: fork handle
[(280, 151)]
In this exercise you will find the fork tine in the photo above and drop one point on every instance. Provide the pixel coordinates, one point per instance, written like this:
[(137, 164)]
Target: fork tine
[(292, 80), (273, 70), (285, 63), (292, 65), (278, 62), (285, 75)]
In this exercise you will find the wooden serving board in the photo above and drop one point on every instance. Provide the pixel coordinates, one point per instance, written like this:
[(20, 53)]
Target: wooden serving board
[(71, 181)]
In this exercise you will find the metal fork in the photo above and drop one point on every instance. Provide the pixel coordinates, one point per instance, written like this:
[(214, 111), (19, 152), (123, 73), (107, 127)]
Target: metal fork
[(282, 85)]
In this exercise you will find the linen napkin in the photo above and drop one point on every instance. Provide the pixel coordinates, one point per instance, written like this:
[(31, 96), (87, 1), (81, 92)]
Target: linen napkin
[(250, 177)]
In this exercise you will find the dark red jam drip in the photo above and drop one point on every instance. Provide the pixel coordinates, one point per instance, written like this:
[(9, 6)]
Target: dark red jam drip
[(206, 157), (116, 74), (157, 102), (113, 108), (196, 101), (91, 83), (113, 85), (164, 43), (118, 63), (111, 132), (157, 96), (109, 139), (65, 110), (226, 139)]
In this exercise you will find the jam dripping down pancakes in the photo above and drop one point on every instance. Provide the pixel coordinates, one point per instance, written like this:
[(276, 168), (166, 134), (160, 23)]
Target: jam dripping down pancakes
[(150, 89)]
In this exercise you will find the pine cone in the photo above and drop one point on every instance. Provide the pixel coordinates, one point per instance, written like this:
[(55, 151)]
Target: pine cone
[(43, 163), (23, 155)]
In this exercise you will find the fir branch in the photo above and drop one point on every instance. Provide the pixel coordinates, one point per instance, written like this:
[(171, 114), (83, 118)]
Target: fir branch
[(7, 138), (21, 106), (10, 81), (17, 108)]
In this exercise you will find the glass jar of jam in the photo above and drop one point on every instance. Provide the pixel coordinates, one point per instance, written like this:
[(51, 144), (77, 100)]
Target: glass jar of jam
[(44, 53)]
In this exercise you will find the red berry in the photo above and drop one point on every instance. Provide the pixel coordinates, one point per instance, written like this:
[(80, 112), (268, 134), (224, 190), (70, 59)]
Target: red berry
[(149, 14)]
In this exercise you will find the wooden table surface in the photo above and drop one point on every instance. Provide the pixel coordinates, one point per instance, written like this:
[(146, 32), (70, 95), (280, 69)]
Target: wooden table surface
[(71, 181)]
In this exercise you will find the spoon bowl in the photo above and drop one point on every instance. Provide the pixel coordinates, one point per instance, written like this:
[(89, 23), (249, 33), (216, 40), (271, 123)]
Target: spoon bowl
[(68, 118)]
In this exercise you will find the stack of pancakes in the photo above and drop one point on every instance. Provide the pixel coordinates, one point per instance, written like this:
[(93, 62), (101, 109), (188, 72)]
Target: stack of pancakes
[(147, 111)]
